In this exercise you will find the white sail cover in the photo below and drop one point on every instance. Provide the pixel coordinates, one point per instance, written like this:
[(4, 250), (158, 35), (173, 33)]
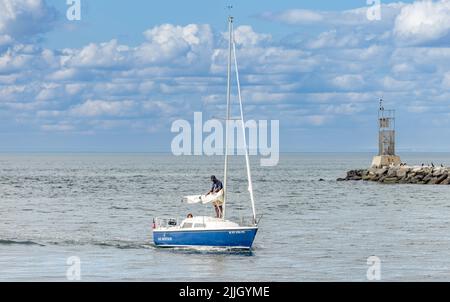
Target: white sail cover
[(204, 199)]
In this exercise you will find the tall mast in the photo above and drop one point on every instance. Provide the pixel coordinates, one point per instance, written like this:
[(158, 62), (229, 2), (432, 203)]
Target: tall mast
[(230, 29), (247, 159)]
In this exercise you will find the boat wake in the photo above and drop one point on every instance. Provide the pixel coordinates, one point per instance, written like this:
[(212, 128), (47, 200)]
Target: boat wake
[(18, 242), (206, 250), (124, 244), (119, 244)]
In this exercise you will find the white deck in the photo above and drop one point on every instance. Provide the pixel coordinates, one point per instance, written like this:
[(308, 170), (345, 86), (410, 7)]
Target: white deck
[(203, 223)]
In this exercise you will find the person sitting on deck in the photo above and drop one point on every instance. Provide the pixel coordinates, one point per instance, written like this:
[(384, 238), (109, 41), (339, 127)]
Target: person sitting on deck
[(216, 187)]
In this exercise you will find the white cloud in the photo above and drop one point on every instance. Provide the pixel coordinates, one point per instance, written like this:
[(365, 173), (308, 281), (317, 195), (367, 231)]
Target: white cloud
[(295, 16), (254, 59), (392, 84), (92, 108), (331, 39), (63, 74), (115, 88), (167, 34), (49, 113), (345, 109), (181, 69), (5, 40), (11, 92), (104, 55), (348, 81), (268, 97), (21, 19), (48, 92), (344, 97), (316, 120), (446, 81), (423, 59), (8, 79), (58, 127), (176, 44), (159, 107), (423, 21), (403, 68), (75, 88), (418, 109), (357, 16), (11, 61), (245, 35)]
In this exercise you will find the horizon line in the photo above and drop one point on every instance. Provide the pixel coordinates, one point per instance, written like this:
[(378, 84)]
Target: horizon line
[(170, 153)]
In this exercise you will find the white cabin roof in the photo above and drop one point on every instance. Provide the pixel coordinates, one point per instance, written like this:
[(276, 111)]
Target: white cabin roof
[(210, 222)]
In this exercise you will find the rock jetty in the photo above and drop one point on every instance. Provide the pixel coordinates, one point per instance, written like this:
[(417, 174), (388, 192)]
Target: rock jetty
[(401, 174)]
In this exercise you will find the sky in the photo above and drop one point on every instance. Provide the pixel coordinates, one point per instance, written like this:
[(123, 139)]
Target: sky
[(115, 80)]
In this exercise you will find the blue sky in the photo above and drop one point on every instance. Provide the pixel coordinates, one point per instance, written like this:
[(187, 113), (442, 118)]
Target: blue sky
[(115, 81)]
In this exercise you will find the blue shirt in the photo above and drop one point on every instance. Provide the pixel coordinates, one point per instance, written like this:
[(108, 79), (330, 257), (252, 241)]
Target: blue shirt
[(217, 186)]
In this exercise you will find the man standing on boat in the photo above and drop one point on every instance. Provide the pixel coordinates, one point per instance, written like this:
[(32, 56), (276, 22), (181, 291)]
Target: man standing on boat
[(217, 187)]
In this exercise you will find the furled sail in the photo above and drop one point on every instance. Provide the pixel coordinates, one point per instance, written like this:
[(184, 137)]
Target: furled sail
[(204, 199), (192, 199)]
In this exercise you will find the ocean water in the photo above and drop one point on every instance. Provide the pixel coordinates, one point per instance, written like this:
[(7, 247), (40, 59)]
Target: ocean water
[(99, 208)]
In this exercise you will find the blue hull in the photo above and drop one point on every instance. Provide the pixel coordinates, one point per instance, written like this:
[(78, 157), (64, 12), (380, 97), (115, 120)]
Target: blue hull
[(241, 238)]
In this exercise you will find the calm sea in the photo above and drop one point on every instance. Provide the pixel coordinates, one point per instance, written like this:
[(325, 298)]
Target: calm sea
[(99, 208)]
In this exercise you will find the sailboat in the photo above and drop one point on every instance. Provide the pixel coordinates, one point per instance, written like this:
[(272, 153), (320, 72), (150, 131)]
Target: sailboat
[(203, 231)]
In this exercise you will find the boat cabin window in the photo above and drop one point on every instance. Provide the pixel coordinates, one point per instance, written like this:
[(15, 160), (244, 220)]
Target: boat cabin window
[(199, 225), (187, 225)]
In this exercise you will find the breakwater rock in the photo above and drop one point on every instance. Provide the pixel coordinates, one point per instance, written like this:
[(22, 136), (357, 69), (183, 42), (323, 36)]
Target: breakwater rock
[(402, 175)]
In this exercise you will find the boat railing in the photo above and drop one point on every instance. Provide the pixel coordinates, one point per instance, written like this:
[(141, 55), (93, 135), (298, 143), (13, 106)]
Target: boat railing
[(244, 221), (248, 220), (166, 222)]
